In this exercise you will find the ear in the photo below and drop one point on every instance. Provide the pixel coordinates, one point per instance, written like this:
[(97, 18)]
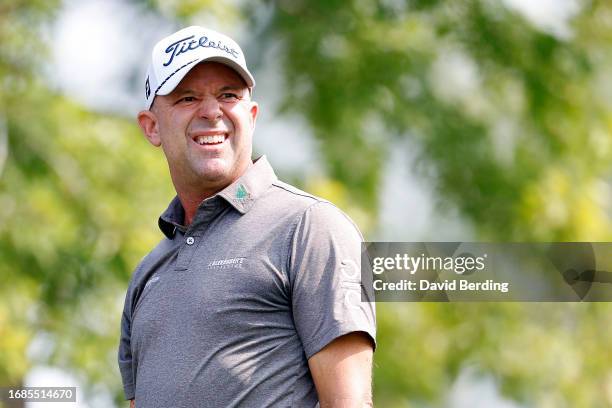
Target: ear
[(254, 111), (150, 127)]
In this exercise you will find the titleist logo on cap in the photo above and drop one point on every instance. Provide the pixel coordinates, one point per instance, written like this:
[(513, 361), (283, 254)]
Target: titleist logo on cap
[(181, 46)]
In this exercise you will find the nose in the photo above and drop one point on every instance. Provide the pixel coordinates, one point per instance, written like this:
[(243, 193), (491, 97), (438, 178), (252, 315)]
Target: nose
[(210, 109)]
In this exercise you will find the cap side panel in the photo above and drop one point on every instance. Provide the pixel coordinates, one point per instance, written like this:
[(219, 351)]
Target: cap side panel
[(171, 75)]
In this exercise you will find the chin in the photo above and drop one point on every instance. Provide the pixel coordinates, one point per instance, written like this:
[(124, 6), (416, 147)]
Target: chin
[(218, 171), (213, 166), (214, 174)]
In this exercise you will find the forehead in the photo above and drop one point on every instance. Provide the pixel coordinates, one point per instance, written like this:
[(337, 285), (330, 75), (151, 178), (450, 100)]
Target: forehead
[(211, 75)]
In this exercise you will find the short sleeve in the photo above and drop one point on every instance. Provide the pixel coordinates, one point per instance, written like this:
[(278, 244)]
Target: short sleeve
[(325, 273)]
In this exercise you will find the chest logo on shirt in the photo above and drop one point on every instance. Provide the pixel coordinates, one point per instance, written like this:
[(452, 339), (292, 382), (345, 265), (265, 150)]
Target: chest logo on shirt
[(226, 263)]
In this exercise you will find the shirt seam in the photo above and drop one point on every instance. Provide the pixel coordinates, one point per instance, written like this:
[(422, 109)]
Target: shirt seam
[(302, 194), (341, 328)]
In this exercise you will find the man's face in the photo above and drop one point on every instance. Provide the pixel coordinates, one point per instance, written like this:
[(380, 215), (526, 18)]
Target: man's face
[(205, 127)]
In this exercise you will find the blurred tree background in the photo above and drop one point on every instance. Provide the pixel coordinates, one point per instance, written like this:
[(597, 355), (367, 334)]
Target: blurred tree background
[(511, 124)]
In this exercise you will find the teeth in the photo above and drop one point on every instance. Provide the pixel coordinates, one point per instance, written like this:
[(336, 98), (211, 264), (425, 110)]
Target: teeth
[(210, 139)]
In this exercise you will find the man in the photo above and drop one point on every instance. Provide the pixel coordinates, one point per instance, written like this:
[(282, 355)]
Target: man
[(253, 297)]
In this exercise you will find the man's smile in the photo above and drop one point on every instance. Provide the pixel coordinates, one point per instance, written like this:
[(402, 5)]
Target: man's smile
[(210, 138)]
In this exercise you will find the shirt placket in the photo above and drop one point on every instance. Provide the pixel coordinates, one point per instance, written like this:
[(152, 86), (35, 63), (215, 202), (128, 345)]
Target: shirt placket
[(195, 234)]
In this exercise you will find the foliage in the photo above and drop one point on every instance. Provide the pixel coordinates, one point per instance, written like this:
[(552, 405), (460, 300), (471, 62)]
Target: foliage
[(511, 122), (71, 228)]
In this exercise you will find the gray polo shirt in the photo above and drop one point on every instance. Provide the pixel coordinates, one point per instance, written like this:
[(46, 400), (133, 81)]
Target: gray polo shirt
[(227, 312)]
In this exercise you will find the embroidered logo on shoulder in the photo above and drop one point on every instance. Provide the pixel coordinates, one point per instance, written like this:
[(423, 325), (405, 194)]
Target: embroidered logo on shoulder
[(151, 281), (226, 263), (350, 270)]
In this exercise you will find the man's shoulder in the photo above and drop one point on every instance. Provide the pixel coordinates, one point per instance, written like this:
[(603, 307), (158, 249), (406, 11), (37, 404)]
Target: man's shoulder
[(294, 194), (306, 207), (286, 198)]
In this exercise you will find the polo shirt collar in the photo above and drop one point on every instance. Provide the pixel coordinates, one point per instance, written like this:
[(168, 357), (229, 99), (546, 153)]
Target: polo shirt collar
[(241, 195), (172, 219)]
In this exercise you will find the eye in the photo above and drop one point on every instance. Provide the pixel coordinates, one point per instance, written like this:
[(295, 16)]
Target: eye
[(229, 97), (186, 99)]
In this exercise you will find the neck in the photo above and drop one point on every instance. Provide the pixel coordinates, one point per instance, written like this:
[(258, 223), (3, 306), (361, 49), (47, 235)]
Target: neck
[(192, 196), (191, 202)]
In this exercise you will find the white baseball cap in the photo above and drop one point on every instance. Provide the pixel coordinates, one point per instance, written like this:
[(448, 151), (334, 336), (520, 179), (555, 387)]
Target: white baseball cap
[(174, 56)]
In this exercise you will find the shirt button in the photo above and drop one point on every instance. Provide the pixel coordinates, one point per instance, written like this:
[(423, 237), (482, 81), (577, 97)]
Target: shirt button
[(190, 241)]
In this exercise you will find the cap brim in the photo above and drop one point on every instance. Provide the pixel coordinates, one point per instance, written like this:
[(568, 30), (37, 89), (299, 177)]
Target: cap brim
[(173, 80)]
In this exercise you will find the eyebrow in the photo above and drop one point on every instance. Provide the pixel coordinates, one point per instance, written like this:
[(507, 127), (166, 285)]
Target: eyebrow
[(183, 90), (232, 88)]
